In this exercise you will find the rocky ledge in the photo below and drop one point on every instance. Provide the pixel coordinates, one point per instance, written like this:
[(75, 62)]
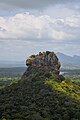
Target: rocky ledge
[(47, 60)]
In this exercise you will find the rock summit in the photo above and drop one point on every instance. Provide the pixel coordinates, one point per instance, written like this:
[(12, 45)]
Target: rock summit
[(47, 60)]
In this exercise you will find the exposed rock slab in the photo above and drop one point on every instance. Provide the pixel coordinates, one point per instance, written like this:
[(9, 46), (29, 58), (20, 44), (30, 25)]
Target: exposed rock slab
[(47, 60)]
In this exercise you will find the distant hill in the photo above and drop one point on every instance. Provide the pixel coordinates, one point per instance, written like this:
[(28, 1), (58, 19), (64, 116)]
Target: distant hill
[(69, 61)]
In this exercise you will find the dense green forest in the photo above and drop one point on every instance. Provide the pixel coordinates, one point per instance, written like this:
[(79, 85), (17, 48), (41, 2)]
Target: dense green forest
[(13, 75), (9, 76), (40, 95)]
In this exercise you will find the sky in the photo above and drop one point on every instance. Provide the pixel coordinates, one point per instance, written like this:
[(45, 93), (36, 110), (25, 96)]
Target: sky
[(30, 26)]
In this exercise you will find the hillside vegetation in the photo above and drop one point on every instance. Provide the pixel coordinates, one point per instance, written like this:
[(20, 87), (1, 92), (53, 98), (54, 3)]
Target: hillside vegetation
[(40, 95)]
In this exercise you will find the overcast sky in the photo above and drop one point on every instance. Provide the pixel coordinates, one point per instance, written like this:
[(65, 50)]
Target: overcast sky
[(30, 26)]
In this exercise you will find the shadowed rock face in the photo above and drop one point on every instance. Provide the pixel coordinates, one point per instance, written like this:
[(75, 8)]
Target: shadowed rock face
[(47, 60)]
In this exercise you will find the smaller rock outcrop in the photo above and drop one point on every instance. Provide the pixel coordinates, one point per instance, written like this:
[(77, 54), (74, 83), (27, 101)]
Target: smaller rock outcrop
[(47, 60)]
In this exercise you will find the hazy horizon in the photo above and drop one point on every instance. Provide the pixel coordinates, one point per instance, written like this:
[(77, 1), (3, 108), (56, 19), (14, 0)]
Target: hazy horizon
[(24, 59)]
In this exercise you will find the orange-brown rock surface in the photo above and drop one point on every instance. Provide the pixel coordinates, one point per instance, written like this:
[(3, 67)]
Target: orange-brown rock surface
[(47, 60)]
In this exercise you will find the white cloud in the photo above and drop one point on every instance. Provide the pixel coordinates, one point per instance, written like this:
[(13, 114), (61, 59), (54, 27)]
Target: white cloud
[(73, 21), (49, 25), (58, 11), (30, 27)]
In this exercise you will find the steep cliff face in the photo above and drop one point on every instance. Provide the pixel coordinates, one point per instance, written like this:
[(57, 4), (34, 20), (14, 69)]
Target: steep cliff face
[(47, 60)]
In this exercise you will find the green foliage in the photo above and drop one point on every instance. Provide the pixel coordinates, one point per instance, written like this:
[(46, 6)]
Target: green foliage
[(75, 78), (32, 56), (39, 95), (69, 88), (8, 81), (3, 119), (48, 74), (47, 52), (9, 76)]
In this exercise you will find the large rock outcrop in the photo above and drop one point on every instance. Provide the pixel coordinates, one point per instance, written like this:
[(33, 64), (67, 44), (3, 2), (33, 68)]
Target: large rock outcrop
[(47, 60)]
